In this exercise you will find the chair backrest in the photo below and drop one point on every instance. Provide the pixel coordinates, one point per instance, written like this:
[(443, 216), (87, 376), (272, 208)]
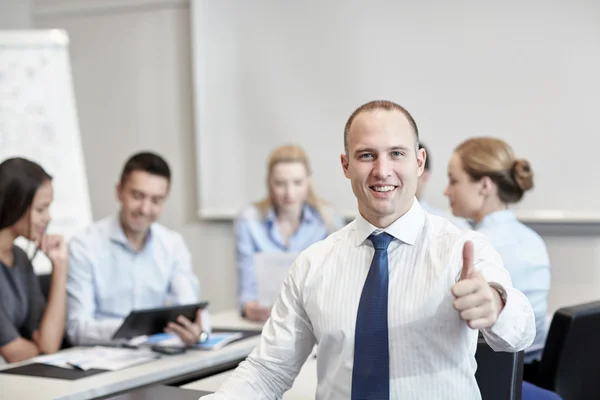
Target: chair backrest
[(499, 374), (569, 364), (45, 284)]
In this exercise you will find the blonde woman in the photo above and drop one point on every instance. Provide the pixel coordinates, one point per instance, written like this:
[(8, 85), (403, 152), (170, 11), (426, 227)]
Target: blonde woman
[(289, 219), (484, 179)]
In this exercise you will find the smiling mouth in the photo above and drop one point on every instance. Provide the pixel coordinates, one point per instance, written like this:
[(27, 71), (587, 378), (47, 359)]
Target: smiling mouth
[(382, 188)]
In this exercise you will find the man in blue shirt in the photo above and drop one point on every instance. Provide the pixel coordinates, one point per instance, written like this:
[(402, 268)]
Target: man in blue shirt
[(128, 261)]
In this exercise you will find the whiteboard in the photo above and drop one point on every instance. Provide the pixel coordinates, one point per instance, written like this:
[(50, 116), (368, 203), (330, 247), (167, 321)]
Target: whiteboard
[(268, 72), (38, 121)]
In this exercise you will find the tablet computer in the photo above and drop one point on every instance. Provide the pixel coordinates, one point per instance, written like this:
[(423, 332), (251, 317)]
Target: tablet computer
[(154, 320)]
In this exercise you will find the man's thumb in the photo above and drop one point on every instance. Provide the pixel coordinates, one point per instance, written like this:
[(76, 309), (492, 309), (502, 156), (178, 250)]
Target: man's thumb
[(467, 267)]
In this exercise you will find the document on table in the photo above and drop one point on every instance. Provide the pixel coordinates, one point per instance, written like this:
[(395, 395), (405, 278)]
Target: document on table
[(107, 358), (271, 271)]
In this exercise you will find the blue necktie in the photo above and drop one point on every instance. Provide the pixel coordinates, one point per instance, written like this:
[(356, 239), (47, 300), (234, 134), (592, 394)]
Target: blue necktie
[(371, 370)]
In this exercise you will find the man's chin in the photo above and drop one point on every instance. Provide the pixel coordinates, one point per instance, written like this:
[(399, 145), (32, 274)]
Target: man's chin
[(138, 228)]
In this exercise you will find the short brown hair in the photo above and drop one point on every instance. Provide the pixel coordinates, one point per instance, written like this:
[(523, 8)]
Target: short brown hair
[(148, 162), (378, 105), (494, 158)]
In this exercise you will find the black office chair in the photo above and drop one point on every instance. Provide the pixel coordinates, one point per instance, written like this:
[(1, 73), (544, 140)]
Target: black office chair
[(569, 364), (45, 284), (499, 374)]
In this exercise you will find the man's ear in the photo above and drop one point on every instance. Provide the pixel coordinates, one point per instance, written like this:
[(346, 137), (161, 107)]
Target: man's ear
[(421, 157), (345, 164)]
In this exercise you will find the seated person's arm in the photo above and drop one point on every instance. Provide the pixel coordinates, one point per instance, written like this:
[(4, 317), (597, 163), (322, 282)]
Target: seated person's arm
[(247, 291), (49, 335), (184, 288), (13, 347), (43, 328), (514, 330), (286, 342), (82, 324)]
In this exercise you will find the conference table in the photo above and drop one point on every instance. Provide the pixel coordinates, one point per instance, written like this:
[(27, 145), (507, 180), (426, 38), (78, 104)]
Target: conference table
[(497, 376), (169, 369), (304, 386)]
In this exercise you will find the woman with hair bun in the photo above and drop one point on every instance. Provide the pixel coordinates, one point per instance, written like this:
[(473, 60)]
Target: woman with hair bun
[(485, 177)]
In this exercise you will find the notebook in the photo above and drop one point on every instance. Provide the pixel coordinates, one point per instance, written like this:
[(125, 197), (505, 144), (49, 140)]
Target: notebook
[(215, 341)]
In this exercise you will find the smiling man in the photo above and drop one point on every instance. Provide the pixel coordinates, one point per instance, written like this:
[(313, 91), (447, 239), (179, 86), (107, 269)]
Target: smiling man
[(395, 299), (129, 261)]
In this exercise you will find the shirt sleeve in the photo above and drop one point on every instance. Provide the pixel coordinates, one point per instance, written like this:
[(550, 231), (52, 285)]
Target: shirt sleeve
[(286, 342), (81, 307), (514, 329), (36, 303), (184, 287), (8, 332), (244, 257)]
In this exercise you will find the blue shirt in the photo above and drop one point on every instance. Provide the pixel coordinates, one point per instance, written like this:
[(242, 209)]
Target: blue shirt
[(526, 258), (256, 234), (108, 279)]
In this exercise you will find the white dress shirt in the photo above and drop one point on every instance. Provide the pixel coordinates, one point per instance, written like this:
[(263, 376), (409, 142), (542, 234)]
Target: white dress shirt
[(432, 351)]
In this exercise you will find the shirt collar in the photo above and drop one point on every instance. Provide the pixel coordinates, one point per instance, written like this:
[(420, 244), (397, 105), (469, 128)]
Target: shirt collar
[(406, 228), (117, 234), (496, 218), (308, 215)]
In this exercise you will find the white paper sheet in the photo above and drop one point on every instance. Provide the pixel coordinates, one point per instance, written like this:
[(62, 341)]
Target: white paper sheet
[(97, 357), (271, 271)]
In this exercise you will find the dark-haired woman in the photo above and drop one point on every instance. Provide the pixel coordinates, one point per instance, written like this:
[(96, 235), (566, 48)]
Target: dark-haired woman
[(28, 326)]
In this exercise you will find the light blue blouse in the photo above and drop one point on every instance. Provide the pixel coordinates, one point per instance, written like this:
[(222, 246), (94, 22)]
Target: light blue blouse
[(525, 256), (255, 234)]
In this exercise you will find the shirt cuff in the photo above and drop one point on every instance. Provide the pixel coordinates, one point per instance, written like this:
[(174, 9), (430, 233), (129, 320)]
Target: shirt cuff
[(503, 325), (512, 325)]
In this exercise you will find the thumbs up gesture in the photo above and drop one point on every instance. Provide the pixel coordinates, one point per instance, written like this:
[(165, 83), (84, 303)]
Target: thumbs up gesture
[(477, 302)]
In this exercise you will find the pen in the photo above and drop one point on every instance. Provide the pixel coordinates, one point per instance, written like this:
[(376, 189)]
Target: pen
[(77, 367)]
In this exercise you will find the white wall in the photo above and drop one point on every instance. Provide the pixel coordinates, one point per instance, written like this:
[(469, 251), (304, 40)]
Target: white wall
[(458, 69), (15, 14), (132, 75)]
